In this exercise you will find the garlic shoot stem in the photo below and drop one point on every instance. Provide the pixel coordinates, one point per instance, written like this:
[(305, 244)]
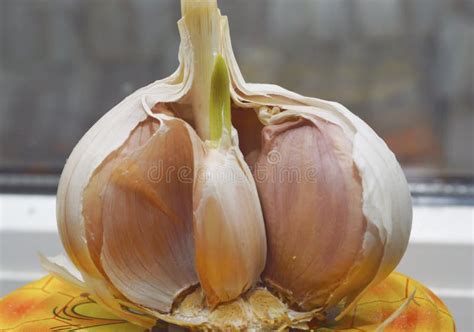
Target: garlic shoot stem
[(203, 22), (219, 108)]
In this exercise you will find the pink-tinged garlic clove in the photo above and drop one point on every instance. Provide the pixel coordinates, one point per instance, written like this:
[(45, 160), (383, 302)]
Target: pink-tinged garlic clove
[(311, 196), (144, 211)]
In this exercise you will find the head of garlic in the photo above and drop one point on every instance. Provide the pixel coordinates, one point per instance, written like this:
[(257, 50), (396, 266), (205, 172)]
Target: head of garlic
[(209, 202)]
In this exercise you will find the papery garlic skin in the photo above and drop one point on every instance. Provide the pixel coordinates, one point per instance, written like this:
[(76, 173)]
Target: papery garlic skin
[(386, 197)]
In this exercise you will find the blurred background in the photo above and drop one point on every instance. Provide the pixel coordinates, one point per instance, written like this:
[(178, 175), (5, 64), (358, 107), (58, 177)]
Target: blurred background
[(406, 67)]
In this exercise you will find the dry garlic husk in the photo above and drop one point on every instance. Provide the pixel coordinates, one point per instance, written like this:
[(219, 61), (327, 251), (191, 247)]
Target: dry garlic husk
[(209, 202)]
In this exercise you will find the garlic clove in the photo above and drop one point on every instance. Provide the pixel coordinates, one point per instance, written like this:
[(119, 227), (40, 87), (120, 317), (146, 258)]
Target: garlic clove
[(311, 196), (146, 215), (228, 227)]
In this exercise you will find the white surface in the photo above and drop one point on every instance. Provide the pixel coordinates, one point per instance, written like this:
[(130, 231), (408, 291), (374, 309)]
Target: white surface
[(27, 226), (440, 254), (443, 225), (28, 213)]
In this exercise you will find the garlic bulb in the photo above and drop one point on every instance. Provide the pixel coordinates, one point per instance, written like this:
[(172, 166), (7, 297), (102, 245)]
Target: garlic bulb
[(209, 202)]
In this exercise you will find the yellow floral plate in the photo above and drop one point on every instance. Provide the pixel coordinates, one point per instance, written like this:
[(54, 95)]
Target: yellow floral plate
[(50, 304)]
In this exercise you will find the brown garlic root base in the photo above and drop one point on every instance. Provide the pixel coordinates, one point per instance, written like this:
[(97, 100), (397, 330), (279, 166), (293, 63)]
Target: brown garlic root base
[(257, 309)]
